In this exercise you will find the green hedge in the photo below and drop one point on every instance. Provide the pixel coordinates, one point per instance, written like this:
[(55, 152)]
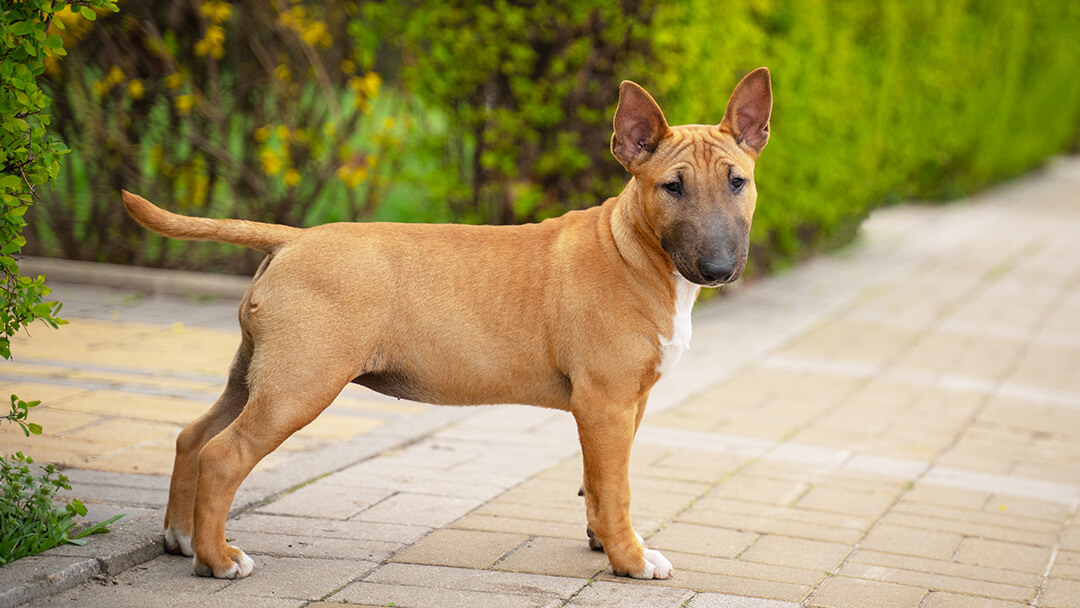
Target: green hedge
[(878, 101), (502, 113)]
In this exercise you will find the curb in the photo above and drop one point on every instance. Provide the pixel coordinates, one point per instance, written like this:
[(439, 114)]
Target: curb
[(61, 568), (136, 278)]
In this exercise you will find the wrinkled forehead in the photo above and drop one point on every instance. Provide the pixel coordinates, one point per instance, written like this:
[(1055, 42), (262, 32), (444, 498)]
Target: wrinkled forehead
[(697, 149)]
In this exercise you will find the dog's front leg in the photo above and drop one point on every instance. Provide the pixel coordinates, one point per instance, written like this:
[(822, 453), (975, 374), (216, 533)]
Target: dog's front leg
[(607, 433)]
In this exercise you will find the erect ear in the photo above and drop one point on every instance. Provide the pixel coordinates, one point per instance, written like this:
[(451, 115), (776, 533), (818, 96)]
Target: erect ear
[(748, 111), (639, 124)]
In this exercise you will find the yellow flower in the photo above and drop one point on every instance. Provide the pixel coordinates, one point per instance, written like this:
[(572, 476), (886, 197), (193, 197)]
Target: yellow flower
[(174, 80), (282, 133), (136, 89), (292, 177), (271, 162), (216, 11), (282, 73), (116, 76), (262, 134), (213, 44), (184, 103)]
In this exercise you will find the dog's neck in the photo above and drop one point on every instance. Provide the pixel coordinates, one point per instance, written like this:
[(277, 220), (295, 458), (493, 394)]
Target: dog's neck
[(636, 238)]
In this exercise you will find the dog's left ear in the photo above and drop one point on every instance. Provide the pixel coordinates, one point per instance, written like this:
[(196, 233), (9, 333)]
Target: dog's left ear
[(748, 112), (639, 124)]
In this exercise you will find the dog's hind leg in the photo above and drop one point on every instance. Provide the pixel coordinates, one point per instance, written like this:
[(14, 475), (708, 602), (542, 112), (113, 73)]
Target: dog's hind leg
[(179, 514), (288, 389)]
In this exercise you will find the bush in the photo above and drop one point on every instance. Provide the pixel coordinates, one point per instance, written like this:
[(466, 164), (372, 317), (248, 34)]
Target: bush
[(502, 113), (878, 101), (29, 521), (249, 110)]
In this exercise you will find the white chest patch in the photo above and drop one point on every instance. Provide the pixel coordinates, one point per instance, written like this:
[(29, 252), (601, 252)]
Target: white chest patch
[(672, 347)]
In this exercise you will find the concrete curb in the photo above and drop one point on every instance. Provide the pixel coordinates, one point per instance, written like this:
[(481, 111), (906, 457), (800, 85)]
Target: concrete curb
[(134, 278), (128, 544)]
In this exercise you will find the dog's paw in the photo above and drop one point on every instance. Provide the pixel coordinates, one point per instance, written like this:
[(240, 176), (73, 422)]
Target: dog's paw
[(178, 543), (662, 568), (238, 565)]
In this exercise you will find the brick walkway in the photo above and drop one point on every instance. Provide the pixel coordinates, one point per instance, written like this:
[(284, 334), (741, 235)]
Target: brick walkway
[(896, 425)]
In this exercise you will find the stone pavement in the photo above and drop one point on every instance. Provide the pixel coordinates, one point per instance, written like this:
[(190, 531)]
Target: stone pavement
[(895, 425)]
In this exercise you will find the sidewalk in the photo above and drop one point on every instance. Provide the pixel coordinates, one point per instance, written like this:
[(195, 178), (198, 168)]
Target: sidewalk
[(896, 425)]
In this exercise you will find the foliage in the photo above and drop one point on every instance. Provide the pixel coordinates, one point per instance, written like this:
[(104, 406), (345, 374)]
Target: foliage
[(28, 157), (530, 109), (20, 410), (248, 110), (879, 101), (29, 521), (501, 112)]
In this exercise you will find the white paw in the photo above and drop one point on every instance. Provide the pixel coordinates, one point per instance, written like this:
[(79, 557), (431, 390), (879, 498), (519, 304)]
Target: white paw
[(235, 569), (177, 542), (659, 564), (247, 565)]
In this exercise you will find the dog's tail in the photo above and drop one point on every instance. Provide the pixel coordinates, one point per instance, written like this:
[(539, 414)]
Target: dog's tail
[(256, 235)]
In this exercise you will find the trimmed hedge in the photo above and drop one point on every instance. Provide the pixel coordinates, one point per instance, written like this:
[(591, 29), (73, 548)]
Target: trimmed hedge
[(503, 114), (878, 101)]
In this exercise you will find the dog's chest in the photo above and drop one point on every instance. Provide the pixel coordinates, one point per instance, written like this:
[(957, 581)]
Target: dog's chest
[(671, 349)]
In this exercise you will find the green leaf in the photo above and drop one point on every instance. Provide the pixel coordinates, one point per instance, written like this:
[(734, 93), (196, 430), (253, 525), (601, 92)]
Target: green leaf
[(54, 42), (34, 428), (88, 13), (11, 182)]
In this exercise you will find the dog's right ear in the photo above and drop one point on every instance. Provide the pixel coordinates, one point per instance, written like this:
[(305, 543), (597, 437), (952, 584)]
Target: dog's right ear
[(639, 124)]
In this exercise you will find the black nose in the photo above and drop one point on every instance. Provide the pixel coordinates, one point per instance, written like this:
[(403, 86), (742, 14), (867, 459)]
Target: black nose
[(716, 269)]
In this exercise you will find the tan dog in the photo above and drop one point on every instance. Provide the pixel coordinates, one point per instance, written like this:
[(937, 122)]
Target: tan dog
[(581, 313)]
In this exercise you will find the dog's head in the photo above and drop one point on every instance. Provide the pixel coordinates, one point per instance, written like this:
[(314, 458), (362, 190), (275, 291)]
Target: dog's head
[(696, 182)]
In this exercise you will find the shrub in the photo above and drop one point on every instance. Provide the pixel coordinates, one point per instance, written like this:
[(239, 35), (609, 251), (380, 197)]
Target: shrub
[(213, 108), (878, 101), (502, 112), (30, 522)]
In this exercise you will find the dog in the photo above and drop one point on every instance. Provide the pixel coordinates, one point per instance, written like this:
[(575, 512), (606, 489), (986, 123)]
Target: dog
[(582, 313)]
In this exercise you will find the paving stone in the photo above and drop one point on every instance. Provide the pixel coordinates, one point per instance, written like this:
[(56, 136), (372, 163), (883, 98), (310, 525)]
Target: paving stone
[(404, 596), (97, 595), (294, 578), (754, 488), (554, 556), (530, 527), (946, 568), (973, 528), (489, 581), (1066, 565), (729, 585), (283, 545), (460, 548), (704, 540), (169, 575), (1060, 594), (719, 600), (684, 562), (942, 599), (604, 594), (998, 517), (906, 540), (771, 525), (326, 499), (940, 582), (797, 553), (844, 592), (419, 510), (837, 500), (1002, 555), (539, 512), (354, 530)]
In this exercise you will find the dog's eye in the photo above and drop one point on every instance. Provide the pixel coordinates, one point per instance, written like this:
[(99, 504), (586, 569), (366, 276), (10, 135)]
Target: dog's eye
[(673, 188), (737, 183)]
